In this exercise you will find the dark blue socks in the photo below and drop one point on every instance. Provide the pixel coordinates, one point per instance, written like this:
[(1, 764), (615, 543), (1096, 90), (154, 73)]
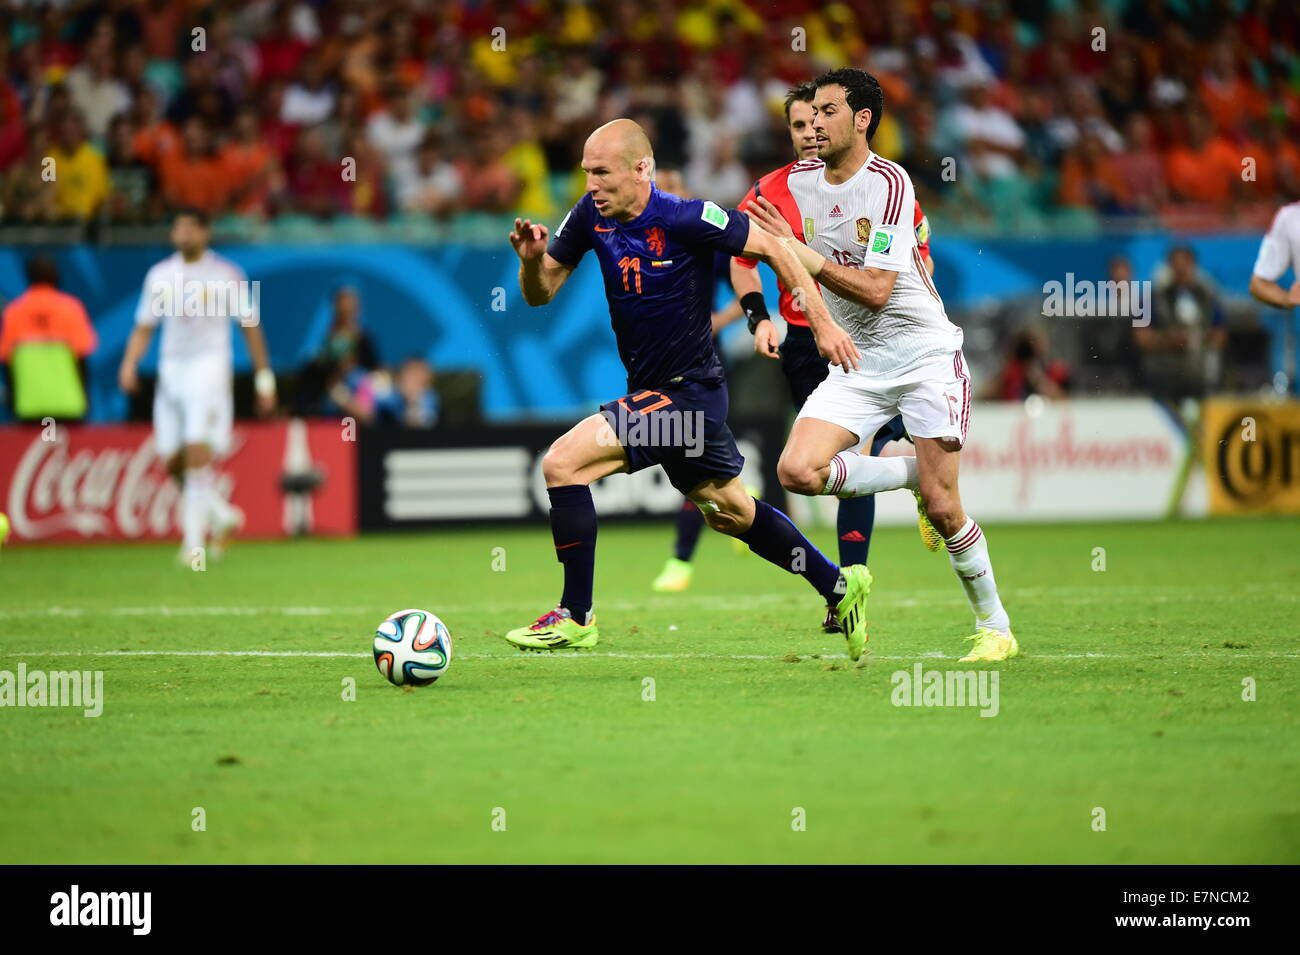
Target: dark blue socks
[(690, 522), (573, 528), (853, 527), (774, 538)]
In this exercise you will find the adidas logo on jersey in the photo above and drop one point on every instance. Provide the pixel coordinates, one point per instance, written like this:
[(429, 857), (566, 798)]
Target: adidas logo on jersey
[(837, 213)]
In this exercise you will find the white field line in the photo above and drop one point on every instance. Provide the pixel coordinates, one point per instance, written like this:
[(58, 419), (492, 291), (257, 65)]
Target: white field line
[(918, 598), (1195, 654)]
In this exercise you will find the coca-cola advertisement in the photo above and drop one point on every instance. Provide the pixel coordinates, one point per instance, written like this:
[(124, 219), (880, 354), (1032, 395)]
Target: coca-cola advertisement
[(77, 483)]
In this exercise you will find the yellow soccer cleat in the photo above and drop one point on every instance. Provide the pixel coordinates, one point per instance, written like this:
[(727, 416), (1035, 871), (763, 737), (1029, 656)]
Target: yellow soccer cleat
[(556, 630), (991, 646), (851, 611), (675, 576), (930, 537)]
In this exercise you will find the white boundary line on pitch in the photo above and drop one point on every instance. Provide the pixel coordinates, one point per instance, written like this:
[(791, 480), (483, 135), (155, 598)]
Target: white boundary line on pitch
[(935, 655), (1084, 596)]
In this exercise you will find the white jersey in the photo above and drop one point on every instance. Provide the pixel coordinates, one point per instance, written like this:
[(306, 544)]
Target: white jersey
[(195, 302), (866, 222), (1280, 249)]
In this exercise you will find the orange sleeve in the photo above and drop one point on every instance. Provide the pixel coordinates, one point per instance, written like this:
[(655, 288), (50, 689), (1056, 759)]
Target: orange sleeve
[(8, 333), (80, 332), (1070, 190)]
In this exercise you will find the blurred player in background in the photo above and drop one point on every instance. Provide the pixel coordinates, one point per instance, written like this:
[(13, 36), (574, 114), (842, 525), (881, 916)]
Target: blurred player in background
[(194, 294), (861, 245), (656, 252), (1279, 251)]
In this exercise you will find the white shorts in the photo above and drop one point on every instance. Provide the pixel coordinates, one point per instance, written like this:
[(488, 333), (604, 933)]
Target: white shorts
[(193, 405), (934, 400)]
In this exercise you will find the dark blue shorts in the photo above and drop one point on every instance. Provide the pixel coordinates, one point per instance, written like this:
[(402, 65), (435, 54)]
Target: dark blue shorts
[(682, 428), (805, 369)]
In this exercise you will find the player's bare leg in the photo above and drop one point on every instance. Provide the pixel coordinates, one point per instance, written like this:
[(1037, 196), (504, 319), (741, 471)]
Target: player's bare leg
[(729, 508), (585, 453), (938, 462), (805, 464)]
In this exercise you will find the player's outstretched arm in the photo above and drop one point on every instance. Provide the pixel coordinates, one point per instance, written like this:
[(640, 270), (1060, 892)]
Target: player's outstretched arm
[(746, 282), (869, 287), (1271, 293), (540, 276), (833, 342)]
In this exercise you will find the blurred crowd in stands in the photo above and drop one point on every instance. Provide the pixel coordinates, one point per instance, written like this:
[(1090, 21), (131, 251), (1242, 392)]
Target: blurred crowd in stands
[(1009, 114)]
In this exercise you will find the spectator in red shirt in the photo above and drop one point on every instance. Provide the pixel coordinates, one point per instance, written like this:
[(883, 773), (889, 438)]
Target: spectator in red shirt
[(280, 51), (1027, 370), (315, 180), (1141, 166)]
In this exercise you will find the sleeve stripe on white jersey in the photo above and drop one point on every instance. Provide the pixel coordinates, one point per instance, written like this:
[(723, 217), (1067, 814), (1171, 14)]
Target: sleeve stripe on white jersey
[(925, 273), (894, 201)]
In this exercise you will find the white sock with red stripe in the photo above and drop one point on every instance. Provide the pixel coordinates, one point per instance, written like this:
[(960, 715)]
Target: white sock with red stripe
[(969, 553), (856, 475)]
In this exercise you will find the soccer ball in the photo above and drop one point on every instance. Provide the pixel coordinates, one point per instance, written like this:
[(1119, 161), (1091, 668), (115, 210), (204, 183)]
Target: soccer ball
[(412, 647)]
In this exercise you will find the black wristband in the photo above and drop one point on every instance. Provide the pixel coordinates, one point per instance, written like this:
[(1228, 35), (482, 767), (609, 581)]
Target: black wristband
[(755, 309)]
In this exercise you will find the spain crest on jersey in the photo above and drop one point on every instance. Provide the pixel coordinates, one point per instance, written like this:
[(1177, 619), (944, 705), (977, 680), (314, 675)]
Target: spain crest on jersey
[(655, 240), (864, 231)]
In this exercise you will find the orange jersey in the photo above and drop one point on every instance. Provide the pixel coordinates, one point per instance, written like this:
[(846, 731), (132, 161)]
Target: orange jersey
[(775, 188), (44, 314)]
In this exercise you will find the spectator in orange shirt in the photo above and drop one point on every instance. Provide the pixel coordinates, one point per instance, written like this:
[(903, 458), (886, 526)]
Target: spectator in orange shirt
[(254, 165), (196, 175), (1091, 179), (1203, 168), (154, 136), (45, 384), (1229, 99)]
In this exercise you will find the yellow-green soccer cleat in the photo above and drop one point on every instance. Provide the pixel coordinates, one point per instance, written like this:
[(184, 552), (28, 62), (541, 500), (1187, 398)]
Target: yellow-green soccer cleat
[(675, 576), (930, 537), (851, 611), (556, 630), (991, 646)]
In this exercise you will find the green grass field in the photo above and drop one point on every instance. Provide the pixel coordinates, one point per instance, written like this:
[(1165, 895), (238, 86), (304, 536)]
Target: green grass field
[(1128, 697)]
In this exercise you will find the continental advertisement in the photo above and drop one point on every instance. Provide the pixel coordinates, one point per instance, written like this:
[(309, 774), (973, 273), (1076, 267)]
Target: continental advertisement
[(1252, 456)]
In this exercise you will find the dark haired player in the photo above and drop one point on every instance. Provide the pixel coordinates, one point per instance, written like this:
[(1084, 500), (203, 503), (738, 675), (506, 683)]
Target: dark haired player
[(192, 407), (858, 241), (656, 253), (801, 364)]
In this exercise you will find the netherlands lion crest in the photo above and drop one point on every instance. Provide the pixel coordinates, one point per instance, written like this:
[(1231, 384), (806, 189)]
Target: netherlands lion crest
[(654, 238)]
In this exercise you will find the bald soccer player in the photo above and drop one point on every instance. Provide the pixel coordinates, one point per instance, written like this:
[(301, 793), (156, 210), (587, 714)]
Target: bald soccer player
[(656, 253)]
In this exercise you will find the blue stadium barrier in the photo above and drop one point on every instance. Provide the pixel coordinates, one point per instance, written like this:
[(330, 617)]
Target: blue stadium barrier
[(459, 305)]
